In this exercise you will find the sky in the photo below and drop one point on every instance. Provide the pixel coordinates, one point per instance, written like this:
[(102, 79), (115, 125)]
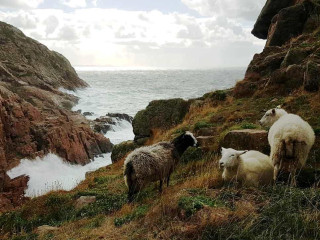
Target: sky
[(185, 34)]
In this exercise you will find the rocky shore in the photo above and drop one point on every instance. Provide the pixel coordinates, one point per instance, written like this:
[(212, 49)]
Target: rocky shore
[(35, 116)]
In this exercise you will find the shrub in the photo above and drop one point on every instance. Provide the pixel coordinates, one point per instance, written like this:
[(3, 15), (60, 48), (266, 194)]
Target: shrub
[(219, 95)]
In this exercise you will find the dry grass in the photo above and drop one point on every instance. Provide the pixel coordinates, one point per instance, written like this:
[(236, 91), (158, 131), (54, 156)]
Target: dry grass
[(238, 214)]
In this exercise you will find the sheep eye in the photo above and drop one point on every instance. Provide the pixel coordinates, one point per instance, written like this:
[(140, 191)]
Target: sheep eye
[(232, 155)]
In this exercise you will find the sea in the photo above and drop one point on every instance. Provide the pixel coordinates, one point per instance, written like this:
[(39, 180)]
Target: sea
[(119, 90)]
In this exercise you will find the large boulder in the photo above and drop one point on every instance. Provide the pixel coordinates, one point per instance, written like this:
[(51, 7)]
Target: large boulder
[(271, 8), (159, 115), (106, 123), (122, 149), (312, 77), (296, 56), (247, 139), (288, 23)]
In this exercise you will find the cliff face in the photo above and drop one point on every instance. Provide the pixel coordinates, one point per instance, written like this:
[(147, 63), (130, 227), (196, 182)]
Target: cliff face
[(35, 117), (32, 63), (290, 59)]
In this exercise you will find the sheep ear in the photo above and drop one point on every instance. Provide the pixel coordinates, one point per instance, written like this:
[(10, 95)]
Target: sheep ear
[(279, 107), (222, 149), (273, 111), (242, 152)]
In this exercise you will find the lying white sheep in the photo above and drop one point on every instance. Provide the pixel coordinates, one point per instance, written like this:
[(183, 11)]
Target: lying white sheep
[(290, 139), (154, 163), (249, 168)]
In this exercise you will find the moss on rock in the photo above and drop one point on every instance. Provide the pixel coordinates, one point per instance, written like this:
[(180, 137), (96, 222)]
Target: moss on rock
[(122, 149), (160, 114)]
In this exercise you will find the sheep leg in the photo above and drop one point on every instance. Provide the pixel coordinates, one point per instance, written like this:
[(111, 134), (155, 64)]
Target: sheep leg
[(276, 172), (131, 193), (160, 185), (293, 179), (168, 180)]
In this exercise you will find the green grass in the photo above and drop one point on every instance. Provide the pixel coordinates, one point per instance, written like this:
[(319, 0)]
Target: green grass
[(219, 95), (31, 236), (201, 124), (96, 222), (247, 125), (58, 209), (191, 154), (139, 212), (192, 204), (289, 213)]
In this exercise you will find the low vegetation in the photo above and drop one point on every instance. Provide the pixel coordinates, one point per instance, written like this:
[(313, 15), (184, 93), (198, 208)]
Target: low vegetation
[(196, 205)]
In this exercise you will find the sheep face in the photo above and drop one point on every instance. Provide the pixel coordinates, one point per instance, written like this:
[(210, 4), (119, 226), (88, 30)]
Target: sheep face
[(271, 116), (184, 141), (230, 158)]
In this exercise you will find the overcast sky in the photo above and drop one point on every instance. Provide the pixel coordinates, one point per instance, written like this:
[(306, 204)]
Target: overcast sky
[(141, 33)]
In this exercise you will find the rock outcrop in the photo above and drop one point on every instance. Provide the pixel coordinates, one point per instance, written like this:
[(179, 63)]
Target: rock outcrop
[(105, 123), (247, 139), (159, 115), (35, 116), (121, 150), (291, 57)]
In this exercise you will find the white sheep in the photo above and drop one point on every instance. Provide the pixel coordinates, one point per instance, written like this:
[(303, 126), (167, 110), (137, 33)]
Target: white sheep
[(249, 168), (290, 139), (154, 163)]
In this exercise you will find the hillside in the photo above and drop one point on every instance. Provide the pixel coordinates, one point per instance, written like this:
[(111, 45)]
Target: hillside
[(197, 205)]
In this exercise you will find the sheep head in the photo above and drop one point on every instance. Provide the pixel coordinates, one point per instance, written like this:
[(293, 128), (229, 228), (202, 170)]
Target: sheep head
[(230, 157), (185, 140), (271, 116)]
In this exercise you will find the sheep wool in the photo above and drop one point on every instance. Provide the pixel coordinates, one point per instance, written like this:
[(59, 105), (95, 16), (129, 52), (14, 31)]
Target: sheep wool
[(290, 139), (154, 163), (249, 168)]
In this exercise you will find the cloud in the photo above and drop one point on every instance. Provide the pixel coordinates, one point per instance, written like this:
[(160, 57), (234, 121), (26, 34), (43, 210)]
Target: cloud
[(51, 23), (20, 3), (76, 3), (68, 33), (94, 2), (236, 9), (94, 36), (24, 20)]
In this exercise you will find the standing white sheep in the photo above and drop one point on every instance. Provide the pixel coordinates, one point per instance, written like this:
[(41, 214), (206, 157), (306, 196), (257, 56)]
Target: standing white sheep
[(250, 168), (290, 139), (154, 163)]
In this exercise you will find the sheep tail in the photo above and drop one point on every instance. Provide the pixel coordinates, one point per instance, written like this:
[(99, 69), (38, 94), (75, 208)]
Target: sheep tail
[(128, 177), (128, 172)]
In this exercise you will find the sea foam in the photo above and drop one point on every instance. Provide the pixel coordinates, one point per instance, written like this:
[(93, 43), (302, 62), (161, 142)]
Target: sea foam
[(53, 173)]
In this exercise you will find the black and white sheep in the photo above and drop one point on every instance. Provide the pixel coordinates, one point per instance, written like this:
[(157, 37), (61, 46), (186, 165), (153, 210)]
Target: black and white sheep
[(154, 163)]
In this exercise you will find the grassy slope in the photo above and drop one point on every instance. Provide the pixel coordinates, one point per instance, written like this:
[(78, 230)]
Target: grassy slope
[(196, 205)]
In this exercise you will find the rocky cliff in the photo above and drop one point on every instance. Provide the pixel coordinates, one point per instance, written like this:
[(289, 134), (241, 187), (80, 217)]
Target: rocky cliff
[(291, 57), (35, 117)]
